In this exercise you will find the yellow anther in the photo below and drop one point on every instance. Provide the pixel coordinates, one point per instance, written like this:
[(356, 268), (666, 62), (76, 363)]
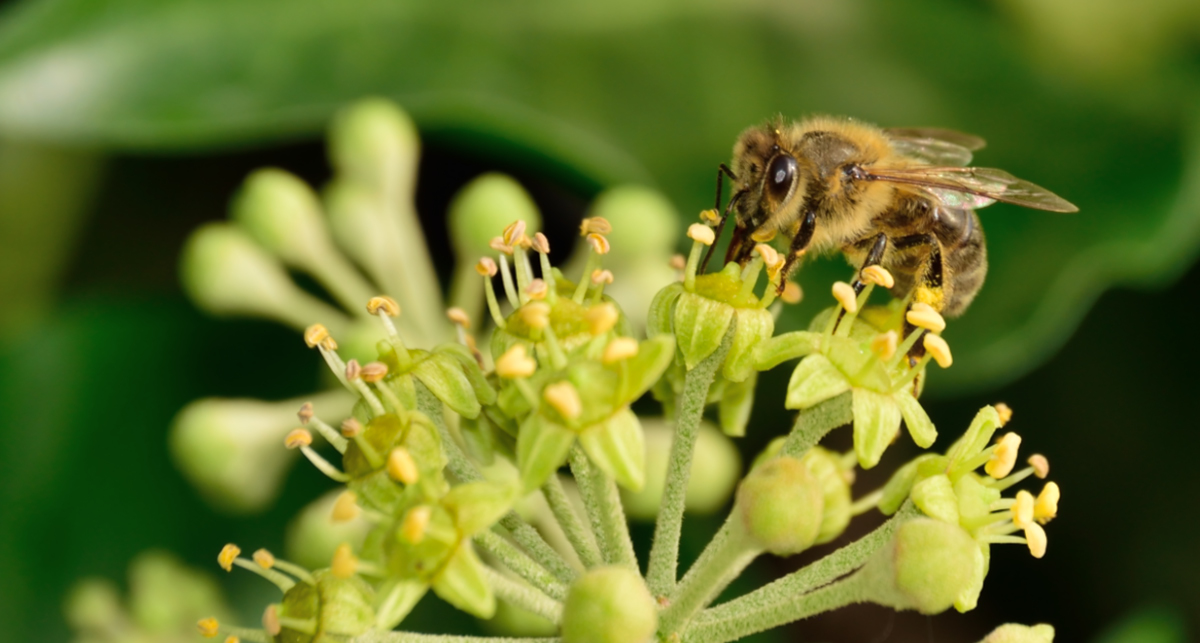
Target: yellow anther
[(536, 314), (541, 243), (345, 508), (924, 316), (487, 267), (678, 262), (401, 466), (232, 639), (601, 318), (599, 243), (228, 553), (1004, 456), (459, 317), (594, 225), (497, 244), (939, 349), (844, 293), (602, 277), (209, 627), (1046, 506), (792, 294), (316, 335), (564, 398), (383, 305), (416, 521), (1022, 509), (1003, 411), (264, 558), (701, 233), (351, 427), (763, 235), (513, 232), (374, 371), (537, 289), (353, 370), (1035, 537), (618, 349), (710, 216), (270, 621), (884, 345), (345, 563), (306, 413), (1041, 466), (297, 438), (515, 363), (879, 276)]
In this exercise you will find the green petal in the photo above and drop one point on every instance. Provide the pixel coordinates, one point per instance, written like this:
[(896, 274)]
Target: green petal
[(935, 497), (969, 597), (896, 491), (643, 370), (876, 422), (782, 348), (542, 448), (815, 380), (736, 403), (442, 375), (462, 583), (660, 319), (479, 383), (920, 427), (477, 505), (618, 447), (754, 326), (700, 325)]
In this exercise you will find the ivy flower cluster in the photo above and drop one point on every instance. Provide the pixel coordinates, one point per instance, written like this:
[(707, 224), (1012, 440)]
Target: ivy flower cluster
[(443, 422)]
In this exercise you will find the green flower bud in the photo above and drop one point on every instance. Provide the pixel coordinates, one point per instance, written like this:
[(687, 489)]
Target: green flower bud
[(781, 506), (335, 606), (617, 447), (313, 535), (374, 143), (482, 208), (609, 605), (462, 583), (166, 596), (926, 567), (643, 223), (513, 620), (716, 468), (282, 214), (700, 324), (1014, 633), (93, 605), (826, 469)]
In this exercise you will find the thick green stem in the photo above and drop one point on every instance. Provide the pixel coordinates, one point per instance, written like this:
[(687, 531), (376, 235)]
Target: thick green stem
[(722, 561), (775, 597), (463, 469), (664, 553), (603, 504), (812, 424), (524, 596), (521, 564), (414, 637), (734, 627), (580, 538)]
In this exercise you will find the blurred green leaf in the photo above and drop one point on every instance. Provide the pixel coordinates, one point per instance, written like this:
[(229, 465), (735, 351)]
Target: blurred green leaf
[(652, 92), (1147, 625)]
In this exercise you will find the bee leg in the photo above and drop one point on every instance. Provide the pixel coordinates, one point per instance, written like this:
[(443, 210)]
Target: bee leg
[(930, 289), (874, 258), (722, 171), (800, 241)]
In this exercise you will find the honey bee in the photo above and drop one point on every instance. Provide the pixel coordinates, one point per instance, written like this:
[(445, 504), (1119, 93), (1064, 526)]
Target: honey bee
[(900, 198)]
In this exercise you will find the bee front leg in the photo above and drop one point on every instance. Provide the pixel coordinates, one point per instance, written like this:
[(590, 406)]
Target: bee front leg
[(722, 172), (800, 241), (874, 258)]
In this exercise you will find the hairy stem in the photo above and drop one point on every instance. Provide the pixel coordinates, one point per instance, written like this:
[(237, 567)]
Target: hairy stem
[(578, 535), (812, 424), (524, 596), (414, 637), (664, 553), (726, 556), (773, 599), (463, 469), (603, 503), (521, 564), (735, 626)]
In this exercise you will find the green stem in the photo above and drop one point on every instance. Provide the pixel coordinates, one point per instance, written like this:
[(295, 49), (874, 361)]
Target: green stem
[(664, 553), (828, 598), (726, 556), (758, 606), (521, 564), (524, 596), (413, 637), (463, 469), (812, 424), (578, 535), (603, 503)]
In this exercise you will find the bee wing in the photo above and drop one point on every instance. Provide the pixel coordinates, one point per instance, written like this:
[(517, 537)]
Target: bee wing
[(974, 187), (934, 146)]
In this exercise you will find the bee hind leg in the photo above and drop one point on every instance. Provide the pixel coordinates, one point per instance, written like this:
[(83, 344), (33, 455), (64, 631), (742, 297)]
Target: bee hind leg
[(930, 289)]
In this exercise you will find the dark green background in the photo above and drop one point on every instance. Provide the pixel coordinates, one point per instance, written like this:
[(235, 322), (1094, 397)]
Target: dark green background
[(124, 124)]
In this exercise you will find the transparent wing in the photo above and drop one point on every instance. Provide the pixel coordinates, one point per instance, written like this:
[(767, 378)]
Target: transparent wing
[(934, 146), (974, 187)]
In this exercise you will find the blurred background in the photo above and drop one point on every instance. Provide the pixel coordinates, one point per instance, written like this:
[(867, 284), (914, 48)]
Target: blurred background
[(125, 124)]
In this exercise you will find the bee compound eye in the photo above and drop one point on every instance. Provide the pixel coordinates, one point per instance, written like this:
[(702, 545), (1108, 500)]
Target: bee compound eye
[(780, 176)]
